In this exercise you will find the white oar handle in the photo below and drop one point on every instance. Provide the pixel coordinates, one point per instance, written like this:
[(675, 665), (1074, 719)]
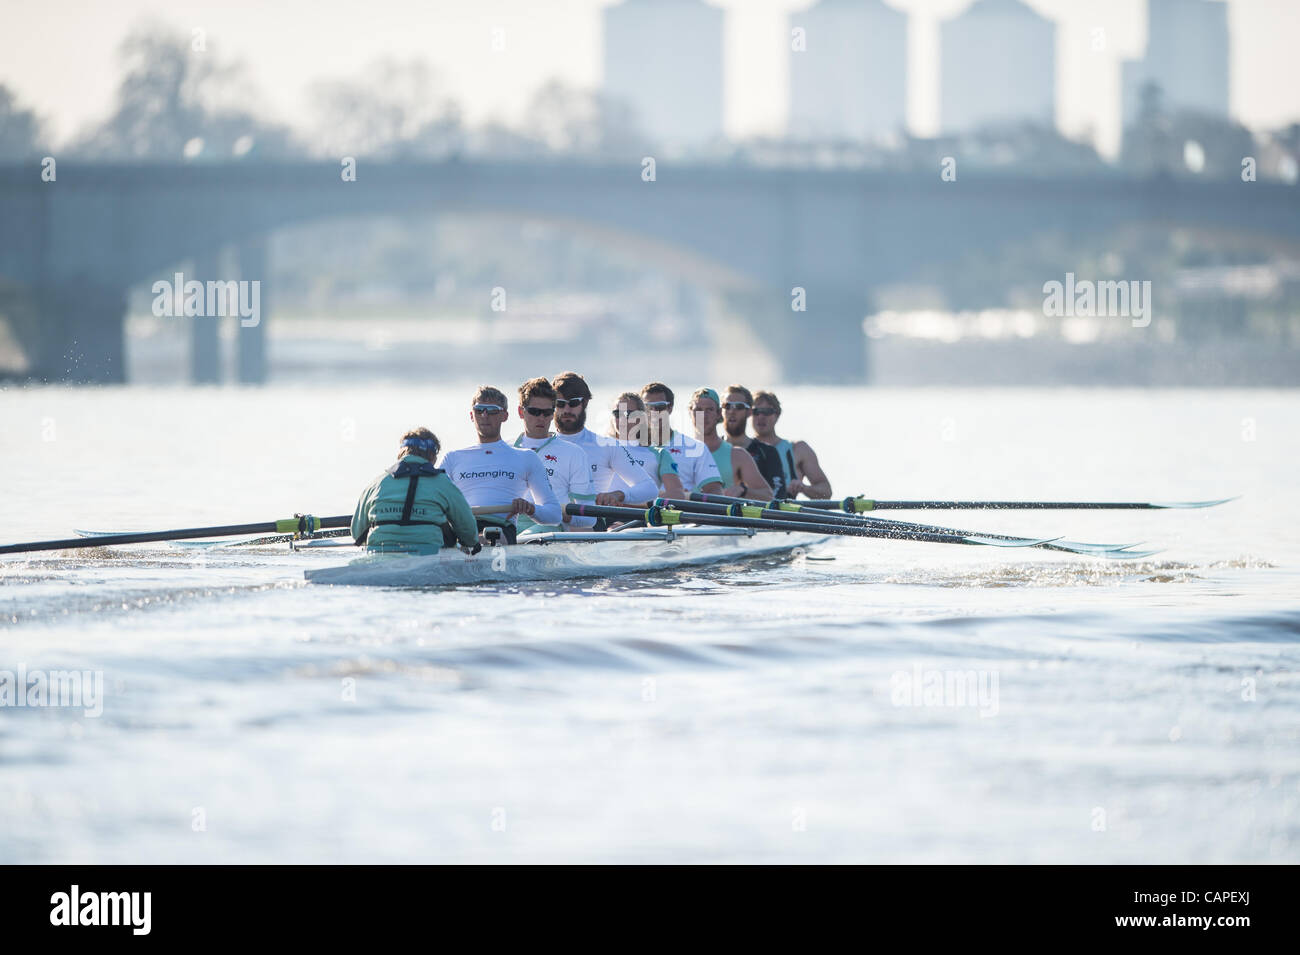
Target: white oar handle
[(491, 509)]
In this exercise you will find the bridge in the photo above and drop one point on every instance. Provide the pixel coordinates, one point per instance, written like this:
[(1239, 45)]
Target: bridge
[(71, 248)]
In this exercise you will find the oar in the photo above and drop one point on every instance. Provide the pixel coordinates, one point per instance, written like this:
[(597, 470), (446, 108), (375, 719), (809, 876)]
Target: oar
[(667, 517), (721, 504), (860, 505), (300, 524)]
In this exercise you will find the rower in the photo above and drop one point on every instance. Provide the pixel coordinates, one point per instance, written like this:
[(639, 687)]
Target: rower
[(565, 462), (803, 473), (413, 507), (695, 465), (736, 410), (736, 465), (493, 473), (631, 428), (616, 478)]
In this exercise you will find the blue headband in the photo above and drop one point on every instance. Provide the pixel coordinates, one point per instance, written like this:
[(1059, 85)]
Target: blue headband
[(421, 444)]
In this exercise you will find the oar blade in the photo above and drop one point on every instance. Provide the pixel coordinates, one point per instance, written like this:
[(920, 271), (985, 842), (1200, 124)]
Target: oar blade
[(1191, 505), (1003, 542)]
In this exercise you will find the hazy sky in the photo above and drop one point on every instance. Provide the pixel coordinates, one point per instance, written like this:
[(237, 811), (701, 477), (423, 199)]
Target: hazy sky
[(61, 55)]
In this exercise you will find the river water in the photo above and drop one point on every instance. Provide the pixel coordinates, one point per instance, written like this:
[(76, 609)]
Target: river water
[(775, 711)]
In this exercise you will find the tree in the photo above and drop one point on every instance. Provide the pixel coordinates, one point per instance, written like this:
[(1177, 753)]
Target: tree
[(21, 130), (393, 110), (177, 101), (574, 121)]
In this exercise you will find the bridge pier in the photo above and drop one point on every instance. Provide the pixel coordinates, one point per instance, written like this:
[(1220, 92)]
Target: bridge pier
[(205, 330), (824, 344), (251, 355), (80, 334)]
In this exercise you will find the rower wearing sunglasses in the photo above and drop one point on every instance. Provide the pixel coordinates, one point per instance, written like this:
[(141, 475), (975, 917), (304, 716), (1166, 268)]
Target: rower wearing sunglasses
[(616, 478), (803, 474), (630, 426), (565, 463), (739, 472), (493, 473), (735, 420), (695, 465)]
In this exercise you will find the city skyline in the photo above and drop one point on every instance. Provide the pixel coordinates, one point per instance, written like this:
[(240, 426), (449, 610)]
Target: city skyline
[(70, 77)]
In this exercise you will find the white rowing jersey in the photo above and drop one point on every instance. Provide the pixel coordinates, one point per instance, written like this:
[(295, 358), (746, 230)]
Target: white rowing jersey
[(567, 467), (612, 468), (496, 473), (696, 465), (656, 461)]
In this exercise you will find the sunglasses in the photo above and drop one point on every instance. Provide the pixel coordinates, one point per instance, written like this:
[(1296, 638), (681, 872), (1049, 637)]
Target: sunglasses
[(488, 409), (765, 411), (569, 402), (540, 412), (736, 406), (658, 405), (625, 413)]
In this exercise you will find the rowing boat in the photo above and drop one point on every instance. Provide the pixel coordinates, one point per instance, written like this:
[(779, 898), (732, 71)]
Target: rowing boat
[(566, 554), (669, 533)]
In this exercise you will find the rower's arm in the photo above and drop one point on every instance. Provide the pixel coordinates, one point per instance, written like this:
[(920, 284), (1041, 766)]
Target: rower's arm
[(360, 518), (710, 479), (756, 486), (673, 486), (459, 514), (813, 481), (546, 506), (640, 485)]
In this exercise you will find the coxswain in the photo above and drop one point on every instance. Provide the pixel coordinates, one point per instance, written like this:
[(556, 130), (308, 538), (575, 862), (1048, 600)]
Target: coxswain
[(414, 507)]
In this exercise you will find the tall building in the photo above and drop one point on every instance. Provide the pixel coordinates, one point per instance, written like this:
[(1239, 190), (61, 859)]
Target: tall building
[(665, 58), (850, 79), (997, 66), (1186, 56)]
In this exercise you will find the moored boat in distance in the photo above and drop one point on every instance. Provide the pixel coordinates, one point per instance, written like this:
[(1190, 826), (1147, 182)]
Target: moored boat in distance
[(564, 555)]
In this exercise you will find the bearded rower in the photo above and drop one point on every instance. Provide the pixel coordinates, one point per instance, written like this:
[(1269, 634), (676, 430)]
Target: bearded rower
[(695, 465), (493, 473), (413, 507), (616, 478), (803, 474), (632, 430), (565, 462), (736, 411), (736, 465)]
